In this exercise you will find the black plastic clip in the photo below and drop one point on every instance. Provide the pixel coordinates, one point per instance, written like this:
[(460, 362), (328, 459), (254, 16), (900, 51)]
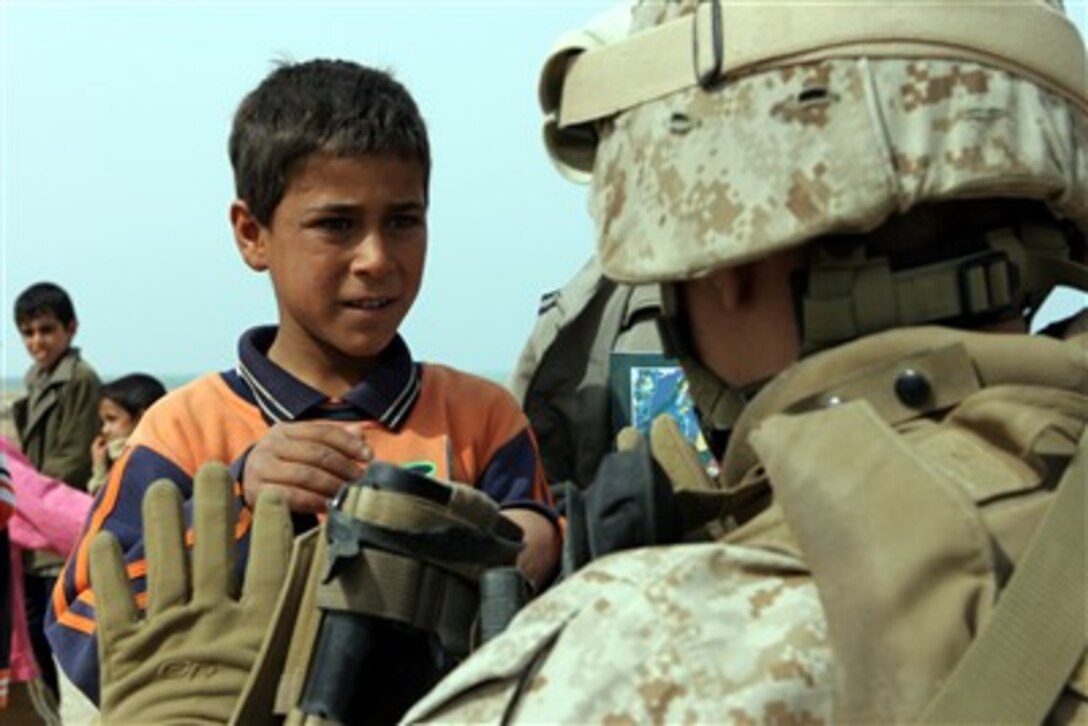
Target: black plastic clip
[(709, 78), (984, 262)]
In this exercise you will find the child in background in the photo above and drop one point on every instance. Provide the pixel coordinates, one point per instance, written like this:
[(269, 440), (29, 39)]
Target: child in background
[(57, 418), (46, 515), (7, 506), (56, 422), (7, 494), (120, 408)]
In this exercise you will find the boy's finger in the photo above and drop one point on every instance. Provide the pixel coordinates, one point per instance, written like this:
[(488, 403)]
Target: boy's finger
[(115, 609), (358, 431), (318, 455), (350, 443), (213, 536), (302, 483), (303, 464), (164, 547)]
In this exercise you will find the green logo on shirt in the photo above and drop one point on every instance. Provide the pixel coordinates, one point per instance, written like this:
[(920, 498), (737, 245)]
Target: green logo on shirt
[(426, 468)]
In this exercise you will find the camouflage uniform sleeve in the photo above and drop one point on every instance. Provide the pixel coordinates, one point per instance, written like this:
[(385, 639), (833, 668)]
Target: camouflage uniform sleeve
[(699, 633)]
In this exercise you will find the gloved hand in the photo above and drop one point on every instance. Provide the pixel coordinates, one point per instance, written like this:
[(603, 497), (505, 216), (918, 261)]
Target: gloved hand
[(187, 658), (698, 499)]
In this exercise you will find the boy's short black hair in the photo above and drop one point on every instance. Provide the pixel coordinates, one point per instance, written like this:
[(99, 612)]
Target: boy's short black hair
[(334, 106), (135, 392), (41, 298)]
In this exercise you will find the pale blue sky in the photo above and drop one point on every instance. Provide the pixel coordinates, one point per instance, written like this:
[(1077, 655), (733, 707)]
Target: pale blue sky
[(114, 179)]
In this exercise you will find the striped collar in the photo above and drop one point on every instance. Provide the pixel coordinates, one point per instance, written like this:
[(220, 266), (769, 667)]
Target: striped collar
[(387, 395)]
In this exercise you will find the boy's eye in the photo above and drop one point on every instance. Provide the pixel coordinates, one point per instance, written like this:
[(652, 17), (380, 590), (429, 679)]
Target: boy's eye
[(338, 225), (405, 221), (40, 328)]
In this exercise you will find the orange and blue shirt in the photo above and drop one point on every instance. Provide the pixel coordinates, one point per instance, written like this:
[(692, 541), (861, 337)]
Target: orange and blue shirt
[(453, 425)]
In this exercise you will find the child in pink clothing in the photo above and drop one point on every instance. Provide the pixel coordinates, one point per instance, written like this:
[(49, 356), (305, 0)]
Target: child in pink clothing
[(44, 513), (7, 506)]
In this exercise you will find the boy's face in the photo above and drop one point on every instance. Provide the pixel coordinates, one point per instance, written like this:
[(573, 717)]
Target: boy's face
[(46, 338), (345, 249)]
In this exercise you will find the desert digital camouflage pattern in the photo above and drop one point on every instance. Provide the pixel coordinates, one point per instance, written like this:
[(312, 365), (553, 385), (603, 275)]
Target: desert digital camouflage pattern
[(906, 540), (906, 543), (573, 155), (662, 635), (773, 159)]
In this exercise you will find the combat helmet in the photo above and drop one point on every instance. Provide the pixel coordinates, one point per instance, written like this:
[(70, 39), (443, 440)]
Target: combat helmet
[(719, 132)]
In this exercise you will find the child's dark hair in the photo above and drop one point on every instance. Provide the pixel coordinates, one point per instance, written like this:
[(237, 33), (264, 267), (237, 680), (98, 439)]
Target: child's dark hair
[(332, 106), (135, 392), (41, 298)]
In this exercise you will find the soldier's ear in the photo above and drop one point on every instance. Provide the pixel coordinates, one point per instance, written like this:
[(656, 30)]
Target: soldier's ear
[(249, 236)]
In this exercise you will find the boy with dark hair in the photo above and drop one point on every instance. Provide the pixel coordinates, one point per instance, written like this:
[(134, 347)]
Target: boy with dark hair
[(331, 164), (56, 422), (58, 418)]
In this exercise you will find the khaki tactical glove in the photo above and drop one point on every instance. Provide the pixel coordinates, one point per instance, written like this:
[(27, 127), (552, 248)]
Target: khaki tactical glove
[(699, 500), (187, 659)]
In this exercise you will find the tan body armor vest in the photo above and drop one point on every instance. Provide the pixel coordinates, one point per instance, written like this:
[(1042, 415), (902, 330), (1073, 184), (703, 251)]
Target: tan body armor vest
[(913, 476)]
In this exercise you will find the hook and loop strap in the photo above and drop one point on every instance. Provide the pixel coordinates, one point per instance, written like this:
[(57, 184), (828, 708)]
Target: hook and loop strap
[(409, 591), (731, 37), (1020, 661)]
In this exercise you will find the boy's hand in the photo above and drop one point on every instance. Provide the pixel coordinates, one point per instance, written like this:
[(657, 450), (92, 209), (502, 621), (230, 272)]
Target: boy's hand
[(98, 452), (309, 460), (538, 560)]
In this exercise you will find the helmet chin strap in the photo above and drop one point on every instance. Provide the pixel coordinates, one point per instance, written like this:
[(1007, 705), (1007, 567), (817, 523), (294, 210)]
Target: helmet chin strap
[(849, 292)]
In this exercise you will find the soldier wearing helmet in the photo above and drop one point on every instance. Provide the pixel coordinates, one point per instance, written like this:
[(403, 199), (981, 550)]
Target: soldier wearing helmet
[(853, 210)]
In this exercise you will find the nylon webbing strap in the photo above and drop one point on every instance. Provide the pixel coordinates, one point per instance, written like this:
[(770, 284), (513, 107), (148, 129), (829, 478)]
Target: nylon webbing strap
[(404, 511), (264, 692), (719, 405), (1059, 270), (1016, 667), (304, 634), (848, 296), (1030, 39), (850, 300), (409, 591), (465, 535), (949, 369)]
